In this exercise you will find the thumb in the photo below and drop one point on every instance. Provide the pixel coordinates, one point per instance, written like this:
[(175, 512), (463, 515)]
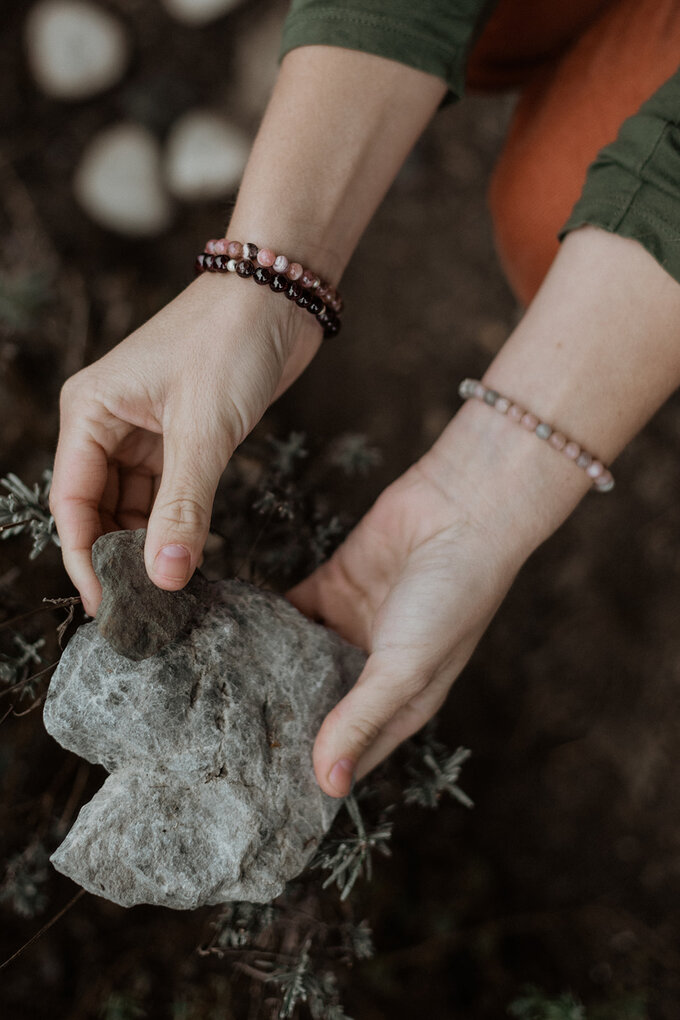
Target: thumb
[(390, 679), (180, 518)]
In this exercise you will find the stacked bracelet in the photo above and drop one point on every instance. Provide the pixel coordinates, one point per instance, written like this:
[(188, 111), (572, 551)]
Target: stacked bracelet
[(300, 285), (280, 284), (268, 259), (600, 476)]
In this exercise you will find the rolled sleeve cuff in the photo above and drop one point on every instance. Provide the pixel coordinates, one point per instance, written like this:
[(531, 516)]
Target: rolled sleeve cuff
[(633, 187), (435, 44)]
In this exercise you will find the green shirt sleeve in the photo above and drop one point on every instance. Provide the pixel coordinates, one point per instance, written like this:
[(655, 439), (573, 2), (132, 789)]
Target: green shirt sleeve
[(633, 186), (430, 35)]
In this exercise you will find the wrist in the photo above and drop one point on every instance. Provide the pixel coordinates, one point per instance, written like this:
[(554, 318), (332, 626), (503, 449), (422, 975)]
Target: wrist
[(522, 488), (242, 307)]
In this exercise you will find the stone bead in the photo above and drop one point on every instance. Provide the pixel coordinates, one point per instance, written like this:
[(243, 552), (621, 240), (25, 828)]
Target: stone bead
[(466, 388), (262, 276), (266, 257), (595, 470), (278, 282), (309, 280), (208, 261), (221, 246), (502, 405), (293, 291), (199, 264), (235, 249), (572, 450), (324, 292), (249, 250), (327, 318), (543, 430), (337, 304), (304, 299), (478, 391), (316, 305), (231, 265), (210, 247), (529, 421), (584, 460), (330, 322), (220, 263), (605, 483), (294, 271), (245, 268), (281, 264), (558, 440), (490, 397), (515, 412)]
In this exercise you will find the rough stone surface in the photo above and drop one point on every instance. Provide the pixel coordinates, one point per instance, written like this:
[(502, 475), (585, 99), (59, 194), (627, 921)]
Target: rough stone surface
[(119, 181), (135, 616), (205, 156), (75, 49), (212, 795)]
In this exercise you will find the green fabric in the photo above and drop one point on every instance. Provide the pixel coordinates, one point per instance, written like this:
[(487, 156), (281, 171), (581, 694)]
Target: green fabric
[(633, 186), (430, 35)]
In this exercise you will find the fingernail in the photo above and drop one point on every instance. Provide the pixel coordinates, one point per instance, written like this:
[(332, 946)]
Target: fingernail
[(172, 563), (340, 776)]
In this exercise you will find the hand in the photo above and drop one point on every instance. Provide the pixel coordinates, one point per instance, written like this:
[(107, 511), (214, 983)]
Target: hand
[(148, 429), (415, 584), (419, 579)]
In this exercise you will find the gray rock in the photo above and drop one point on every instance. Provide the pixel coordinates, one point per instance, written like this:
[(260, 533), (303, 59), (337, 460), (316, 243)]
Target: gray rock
[(212, 795), (75, 49), (205, 156), (199, 12), (119, 182), (135, 616)]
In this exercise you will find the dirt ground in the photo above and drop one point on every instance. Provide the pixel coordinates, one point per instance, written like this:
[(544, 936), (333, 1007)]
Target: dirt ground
[(566, 873)]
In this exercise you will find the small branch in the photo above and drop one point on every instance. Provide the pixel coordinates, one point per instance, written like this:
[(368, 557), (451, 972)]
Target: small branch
[(27, 680), (45, 927), (57, 604), (38, 701), (18, 524)]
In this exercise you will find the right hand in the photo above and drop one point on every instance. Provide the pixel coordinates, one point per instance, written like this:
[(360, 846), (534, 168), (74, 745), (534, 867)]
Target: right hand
[(147, 430)]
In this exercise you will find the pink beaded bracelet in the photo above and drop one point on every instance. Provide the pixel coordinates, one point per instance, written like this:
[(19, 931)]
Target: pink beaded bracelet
[(600, 476), (268, 259)]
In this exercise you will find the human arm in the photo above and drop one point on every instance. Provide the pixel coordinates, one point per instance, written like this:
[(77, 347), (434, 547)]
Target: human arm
[(147, 430), (418, 580)]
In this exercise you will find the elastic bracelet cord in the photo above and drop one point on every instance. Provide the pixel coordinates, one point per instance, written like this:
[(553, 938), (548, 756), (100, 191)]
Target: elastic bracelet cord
[(600, 476), (328, 319)]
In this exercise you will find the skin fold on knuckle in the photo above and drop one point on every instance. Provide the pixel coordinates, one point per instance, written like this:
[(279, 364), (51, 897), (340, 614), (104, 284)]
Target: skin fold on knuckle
[(183, 516)]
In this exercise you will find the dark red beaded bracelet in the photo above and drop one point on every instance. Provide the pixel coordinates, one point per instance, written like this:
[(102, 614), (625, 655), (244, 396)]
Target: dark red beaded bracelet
[(267, 258), (327, 318)]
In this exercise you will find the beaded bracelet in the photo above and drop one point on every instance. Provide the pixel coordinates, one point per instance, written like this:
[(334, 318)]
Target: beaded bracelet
[(280, 284), (268, 259), (600, 476)]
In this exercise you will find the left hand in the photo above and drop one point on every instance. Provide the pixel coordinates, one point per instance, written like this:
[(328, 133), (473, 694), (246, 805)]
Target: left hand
[(415, 584)]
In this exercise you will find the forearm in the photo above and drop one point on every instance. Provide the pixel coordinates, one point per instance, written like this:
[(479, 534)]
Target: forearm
[(337, 129), (595, 355)]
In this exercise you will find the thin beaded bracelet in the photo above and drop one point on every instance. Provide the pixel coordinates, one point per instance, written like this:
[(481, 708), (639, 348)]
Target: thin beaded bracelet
[(599, 475), (268, 259), (280, 284)]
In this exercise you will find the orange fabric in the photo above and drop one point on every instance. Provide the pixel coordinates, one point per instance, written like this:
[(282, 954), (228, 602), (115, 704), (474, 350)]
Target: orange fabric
[(571, 106)]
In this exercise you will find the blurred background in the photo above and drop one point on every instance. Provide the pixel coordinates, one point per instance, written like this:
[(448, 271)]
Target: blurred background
[(124, 129)]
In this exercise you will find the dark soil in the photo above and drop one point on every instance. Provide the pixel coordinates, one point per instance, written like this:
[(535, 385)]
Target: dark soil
[(566, 873)]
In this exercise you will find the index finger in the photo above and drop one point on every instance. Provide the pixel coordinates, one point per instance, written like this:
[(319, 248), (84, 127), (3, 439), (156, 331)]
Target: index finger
[(80, 474)]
